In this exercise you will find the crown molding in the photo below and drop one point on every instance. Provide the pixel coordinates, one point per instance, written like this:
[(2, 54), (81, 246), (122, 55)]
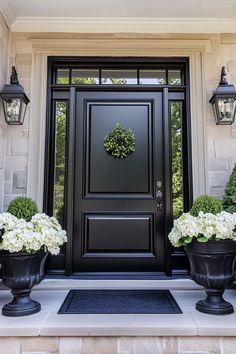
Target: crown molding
[(7, 12), (117, 25)]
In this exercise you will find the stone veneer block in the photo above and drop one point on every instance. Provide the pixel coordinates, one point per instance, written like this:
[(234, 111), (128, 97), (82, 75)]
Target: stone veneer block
[(218, 179), (196, 344), (15, 163), (19, 147), (23, 59), (217, 192), (8, 187), (39, 353), (229, 345), (233, 132), (2, 153), (219, 164), (170, 345), (99, 345), (10, 345), (19, 182), (149, 346), (70, 345), (225, 148), (218, 132), (40, 344), (211, 148), (231, 66), (126, 345)]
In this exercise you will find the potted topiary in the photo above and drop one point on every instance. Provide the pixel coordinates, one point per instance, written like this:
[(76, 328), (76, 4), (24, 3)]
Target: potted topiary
[(229, 201), (209, 236), (26, 238)]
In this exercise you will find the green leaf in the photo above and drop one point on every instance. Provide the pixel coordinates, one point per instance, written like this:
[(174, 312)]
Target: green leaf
[(202, 239)]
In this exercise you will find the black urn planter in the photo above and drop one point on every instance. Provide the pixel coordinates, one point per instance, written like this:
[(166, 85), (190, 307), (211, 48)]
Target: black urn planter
[(20, 272), (212, 266)]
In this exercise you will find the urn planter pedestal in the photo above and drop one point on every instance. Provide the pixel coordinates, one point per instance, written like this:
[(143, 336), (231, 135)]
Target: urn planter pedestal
[(212, 266), (20, 272)]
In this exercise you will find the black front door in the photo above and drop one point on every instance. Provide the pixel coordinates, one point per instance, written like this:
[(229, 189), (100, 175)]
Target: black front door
[(118, 224)]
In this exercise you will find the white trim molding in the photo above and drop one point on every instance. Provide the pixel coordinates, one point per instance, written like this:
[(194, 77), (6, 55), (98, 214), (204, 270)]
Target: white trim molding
[(123, 25), (7, 12), (43, 48), (37, 128)]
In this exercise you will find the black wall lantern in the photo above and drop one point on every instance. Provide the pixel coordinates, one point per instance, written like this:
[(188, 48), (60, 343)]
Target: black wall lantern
[(14, 101), (224, 101)]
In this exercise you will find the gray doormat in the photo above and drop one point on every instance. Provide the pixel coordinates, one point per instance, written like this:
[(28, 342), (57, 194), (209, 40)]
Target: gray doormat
[(119, 302)]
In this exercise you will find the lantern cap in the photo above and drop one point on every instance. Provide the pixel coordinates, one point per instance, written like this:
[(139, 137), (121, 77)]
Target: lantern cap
[(224, 89), (14, 89), (223, 77), (14, 78)]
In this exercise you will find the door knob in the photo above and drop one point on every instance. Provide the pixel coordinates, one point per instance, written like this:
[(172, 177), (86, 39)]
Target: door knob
[(159, 196)]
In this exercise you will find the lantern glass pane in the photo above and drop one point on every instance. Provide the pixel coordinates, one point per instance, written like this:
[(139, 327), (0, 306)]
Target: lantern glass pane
[(22, 112), (12, 107), (226, 109)]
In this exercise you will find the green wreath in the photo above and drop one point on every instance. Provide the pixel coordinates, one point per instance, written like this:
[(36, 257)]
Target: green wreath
[(119, 142)]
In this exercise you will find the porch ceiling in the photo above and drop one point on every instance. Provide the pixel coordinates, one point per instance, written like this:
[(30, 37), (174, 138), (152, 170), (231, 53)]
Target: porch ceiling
[(213, 16)]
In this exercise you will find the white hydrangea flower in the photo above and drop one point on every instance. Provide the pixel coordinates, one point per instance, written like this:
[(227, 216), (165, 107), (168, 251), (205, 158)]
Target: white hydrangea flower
[(42, 233), (203, 227)]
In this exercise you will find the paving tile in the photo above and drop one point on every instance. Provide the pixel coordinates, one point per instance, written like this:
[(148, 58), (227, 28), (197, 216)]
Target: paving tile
[(211, 325), (50, 300), (54, 284), (19, 326), (49, 323), (117, 325), (187, 299)]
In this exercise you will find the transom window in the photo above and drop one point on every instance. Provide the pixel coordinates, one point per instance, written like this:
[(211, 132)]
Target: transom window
[(81, 76)]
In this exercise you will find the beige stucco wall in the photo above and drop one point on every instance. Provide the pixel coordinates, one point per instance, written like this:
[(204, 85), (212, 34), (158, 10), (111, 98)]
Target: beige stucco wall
[(221, 140), (4, 54)]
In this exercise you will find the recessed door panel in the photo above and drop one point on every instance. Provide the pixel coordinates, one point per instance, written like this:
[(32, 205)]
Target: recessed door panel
[(117, 223), (118, 234), (106, 174)]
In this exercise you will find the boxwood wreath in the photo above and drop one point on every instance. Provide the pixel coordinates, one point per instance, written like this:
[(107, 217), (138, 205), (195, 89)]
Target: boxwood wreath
[(119, 142)]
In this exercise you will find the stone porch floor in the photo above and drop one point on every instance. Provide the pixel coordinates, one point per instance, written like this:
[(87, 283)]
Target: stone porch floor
[(47, 332)]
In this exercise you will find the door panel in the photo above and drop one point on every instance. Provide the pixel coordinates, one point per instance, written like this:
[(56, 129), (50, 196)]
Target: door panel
[(130, 233), (107, 174), (117, 226)]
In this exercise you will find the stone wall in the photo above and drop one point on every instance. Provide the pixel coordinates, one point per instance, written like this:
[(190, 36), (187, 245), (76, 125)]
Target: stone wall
[(116, 345), (221, 139), (17, 136), (4, 54)]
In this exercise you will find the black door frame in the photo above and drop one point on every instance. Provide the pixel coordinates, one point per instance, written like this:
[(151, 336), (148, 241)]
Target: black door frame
[(175, 259)]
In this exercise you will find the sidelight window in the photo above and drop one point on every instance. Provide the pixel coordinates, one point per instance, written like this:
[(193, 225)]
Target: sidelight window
[(60, 159), (176, 110)]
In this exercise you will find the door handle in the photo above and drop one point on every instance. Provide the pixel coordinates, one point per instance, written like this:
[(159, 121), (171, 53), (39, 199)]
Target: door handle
[(159, 197)]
